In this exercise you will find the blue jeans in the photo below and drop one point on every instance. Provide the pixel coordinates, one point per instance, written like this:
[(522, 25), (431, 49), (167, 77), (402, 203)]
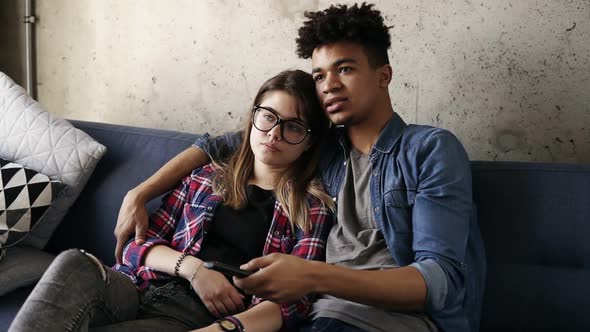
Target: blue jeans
[(78, 293), (328, 324)]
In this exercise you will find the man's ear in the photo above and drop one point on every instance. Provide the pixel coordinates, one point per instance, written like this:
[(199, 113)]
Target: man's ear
[(385, 73)]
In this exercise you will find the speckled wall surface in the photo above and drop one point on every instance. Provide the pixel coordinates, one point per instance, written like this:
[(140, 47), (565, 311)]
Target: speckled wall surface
[(510, 78)]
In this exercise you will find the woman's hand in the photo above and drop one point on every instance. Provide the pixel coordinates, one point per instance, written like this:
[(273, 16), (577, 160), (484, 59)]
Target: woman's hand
[(219, 296)]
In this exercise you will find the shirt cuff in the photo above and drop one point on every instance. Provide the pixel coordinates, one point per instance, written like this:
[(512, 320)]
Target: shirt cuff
[(201, 141), (436, 284), (134, 254)]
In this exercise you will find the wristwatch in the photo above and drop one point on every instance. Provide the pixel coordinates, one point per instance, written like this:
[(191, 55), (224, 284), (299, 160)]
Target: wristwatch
[(230, 324)]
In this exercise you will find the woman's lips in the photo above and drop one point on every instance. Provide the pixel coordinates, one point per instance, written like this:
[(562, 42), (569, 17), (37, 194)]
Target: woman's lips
[(271, 147)]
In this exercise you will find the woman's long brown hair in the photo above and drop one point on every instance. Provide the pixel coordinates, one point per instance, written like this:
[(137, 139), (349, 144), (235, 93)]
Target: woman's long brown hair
[(300, 178)]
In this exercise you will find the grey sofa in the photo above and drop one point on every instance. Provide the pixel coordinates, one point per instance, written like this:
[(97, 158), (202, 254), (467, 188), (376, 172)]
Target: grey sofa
[(535, 220)]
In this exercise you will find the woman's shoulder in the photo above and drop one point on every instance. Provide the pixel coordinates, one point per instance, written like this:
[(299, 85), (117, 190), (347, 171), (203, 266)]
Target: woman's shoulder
[(205, 170), (202, 175), (317, 205), (317, 195)]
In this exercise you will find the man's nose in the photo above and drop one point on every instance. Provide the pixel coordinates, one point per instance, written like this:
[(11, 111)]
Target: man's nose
[(332, 83)]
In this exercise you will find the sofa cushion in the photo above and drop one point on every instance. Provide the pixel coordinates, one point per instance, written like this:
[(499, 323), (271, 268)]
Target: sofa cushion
[(10, 305), (535, 221), (25, 196), (134, 155), (40, 141), (15, 274)]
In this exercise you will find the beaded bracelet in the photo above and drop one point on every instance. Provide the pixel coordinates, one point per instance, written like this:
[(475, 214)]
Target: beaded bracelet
[(180, 259)]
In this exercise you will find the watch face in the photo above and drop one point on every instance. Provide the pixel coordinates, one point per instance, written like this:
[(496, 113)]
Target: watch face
[(227, 325)]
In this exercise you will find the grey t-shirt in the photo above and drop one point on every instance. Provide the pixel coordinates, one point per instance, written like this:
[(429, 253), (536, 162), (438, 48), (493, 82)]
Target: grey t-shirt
[(356, 242)]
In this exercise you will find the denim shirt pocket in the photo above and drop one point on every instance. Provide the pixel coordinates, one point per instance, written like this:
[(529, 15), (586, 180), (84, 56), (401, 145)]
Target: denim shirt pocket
[(398, 205)]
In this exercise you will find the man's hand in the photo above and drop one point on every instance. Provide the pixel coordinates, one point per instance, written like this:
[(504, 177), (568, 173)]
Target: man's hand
[(132, 218), (219, 296), (281, 278)]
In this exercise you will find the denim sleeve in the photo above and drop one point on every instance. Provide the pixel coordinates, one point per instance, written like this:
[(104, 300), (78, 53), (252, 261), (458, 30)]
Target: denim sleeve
[(441, 218), (436, 283), (221, 147)]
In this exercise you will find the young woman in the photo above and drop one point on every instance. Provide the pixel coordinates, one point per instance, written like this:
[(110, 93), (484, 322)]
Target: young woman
[(265, 199)]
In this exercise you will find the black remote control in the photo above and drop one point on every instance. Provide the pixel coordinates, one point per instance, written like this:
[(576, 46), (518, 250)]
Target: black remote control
[(227, 269)]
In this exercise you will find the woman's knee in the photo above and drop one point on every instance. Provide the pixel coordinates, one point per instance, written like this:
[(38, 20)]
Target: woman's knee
[(78, 260)]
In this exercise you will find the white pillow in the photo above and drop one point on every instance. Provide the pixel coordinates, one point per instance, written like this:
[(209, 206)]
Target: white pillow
[(42, 142)]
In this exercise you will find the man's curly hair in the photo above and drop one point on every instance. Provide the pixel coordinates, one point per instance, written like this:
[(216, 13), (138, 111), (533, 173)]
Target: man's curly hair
[(360, 25)]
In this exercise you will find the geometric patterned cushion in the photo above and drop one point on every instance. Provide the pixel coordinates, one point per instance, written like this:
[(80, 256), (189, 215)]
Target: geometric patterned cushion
[(40, 141), (25, 196)]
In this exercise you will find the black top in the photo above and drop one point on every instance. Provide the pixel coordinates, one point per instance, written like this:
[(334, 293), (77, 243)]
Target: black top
[(237, 236)]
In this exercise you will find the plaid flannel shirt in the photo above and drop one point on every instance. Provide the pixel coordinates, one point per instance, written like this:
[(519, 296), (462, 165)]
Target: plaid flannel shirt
[(188, 211)]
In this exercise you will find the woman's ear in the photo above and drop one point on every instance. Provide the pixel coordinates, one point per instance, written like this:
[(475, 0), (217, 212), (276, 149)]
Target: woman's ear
[(309, 144)]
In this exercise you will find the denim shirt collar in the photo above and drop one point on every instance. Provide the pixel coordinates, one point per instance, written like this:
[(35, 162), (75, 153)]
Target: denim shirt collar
[(387, 139), (390, 134)]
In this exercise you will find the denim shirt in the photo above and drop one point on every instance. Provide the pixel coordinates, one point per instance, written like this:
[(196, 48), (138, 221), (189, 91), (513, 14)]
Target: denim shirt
[(422, 202)]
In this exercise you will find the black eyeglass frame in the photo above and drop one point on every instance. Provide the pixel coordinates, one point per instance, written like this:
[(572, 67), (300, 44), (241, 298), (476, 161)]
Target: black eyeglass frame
[(279, 122)]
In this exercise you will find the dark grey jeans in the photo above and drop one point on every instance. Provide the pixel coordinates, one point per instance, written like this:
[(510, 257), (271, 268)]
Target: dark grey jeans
[(78, 293)]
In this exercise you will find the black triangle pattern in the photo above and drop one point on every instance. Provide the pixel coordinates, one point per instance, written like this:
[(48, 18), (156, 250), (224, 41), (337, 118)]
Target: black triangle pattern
[(37, 213), (11, 194), (27, 194), (8, 173), (29, 174), (35, 190), (14, 216)]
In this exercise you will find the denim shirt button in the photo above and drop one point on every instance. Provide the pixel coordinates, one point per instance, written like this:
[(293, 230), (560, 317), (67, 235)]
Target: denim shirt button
[(334, 199), (209, 208), (344, 163), (376, 209)]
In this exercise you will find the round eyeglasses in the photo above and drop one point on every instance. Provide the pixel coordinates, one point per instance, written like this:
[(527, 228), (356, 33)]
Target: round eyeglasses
[(292, 131)]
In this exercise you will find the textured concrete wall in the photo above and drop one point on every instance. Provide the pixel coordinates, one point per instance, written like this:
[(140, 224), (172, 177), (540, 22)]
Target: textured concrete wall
[(510, 78)]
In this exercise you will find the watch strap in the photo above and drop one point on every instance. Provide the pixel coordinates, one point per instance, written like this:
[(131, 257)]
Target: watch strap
[(234, 324)]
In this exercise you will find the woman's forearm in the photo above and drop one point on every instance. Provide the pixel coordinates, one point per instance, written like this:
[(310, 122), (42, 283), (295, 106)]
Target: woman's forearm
[(164, 259), (264, 317)]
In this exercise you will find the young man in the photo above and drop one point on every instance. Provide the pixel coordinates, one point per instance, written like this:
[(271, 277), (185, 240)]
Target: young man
[(406, 253)]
